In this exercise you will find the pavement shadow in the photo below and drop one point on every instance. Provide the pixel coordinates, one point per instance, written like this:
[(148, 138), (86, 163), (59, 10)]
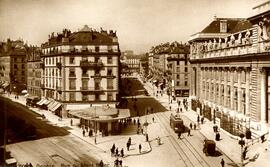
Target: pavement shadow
[(22, 121), (232, 164)]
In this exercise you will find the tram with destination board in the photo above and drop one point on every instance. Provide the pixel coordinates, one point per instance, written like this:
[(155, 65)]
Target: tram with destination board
[(177, 123)]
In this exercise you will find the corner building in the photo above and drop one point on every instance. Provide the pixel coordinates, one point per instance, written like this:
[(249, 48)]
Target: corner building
[(231, 72), (81, 68)]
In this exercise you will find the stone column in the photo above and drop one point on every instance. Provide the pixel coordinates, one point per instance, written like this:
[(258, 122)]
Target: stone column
[(263, 95), (247, 73), (225, 87), (231, 74), (239, 92)]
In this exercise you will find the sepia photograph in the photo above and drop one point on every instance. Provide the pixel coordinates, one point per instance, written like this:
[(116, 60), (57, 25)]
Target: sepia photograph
[(134, 83)]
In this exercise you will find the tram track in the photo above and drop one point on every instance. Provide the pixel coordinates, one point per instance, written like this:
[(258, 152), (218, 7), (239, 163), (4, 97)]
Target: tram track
[(184, 148)]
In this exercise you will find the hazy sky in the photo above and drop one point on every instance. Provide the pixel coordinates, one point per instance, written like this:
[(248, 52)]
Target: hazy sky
[(140, 24)]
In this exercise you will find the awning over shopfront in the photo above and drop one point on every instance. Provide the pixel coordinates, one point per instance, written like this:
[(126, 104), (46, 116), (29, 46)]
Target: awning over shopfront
[(101, 114), (42, 101), (5, 85), (77, 106), (58, 105)]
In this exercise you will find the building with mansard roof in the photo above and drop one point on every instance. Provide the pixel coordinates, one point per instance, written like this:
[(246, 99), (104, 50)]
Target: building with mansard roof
[(231, 72), (13, 65), (81, 69)]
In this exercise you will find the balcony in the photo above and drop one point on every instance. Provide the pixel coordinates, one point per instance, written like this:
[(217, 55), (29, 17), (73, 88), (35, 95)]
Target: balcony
[(85, 64), (244, 49), (92, 89), (85, 76), (97, 76), (110, 76), (59, 65), (72, 75)]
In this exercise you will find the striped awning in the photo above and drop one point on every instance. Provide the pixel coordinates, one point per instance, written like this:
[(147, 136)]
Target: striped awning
[(56, 106)]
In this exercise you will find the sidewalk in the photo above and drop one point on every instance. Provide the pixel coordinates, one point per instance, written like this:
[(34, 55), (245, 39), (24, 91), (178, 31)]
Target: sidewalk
[(228, 143), (104, 144)]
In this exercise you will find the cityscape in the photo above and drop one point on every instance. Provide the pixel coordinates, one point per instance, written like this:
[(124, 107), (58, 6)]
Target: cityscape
[(158, 84)]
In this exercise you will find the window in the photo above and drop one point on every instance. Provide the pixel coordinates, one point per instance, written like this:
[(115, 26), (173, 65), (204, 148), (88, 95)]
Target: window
[(110, 97), (72, 96), (186, 83), (186, 70), (15, 66), (185, 62), (243, 76), (15, 59), (178, 62), (109, 72), (71, 60), (97, 48), (84, 73), (110, 60), (84, 97), (177, 69), (110, 83), (72, 84), (72, 72), (177, 76), (97, 97), (85, 84), (22, 66), (53, 60), (49, 60), (177, 83), (186, 76)]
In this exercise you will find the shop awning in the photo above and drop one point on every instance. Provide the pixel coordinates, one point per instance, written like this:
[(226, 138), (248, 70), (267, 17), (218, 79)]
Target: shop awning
[(41, 102), (51, 105), (56, 106), (47, 102), (6, 84)]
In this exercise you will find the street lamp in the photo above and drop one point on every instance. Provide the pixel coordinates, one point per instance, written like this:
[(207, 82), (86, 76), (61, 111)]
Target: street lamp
[(95, 126), (242, 143)]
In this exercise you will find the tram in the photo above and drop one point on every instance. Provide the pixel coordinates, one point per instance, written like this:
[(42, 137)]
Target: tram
[(176, 123)]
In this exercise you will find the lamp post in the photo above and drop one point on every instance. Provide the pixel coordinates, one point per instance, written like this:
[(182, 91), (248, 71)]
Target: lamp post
[(242, 143)]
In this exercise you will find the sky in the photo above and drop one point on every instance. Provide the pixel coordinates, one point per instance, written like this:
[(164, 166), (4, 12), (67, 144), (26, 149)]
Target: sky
[(140, 24)]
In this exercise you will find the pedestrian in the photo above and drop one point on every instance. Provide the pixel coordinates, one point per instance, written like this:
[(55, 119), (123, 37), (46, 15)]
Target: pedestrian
[(112, 151), (198, 119), (189, 132), (170, 108), (116, 162), (202, 120), (190, 125), (113, 147), (120, 163), (262, 138), (222, 162), (86, 128), (101, 164), (129, 140), (90, 134), (179, 135), (153, 119), (122, 152), (134, 121), (116, 152), (128, 145), (71, 122), (83, 132), (194, 126), (140, 148)]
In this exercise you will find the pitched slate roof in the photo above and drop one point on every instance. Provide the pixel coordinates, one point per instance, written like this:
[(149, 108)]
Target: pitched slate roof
[(233, 25)]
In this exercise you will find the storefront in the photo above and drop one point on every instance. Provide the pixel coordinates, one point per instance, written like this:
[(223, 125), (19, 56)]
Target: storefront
[(104, 119)]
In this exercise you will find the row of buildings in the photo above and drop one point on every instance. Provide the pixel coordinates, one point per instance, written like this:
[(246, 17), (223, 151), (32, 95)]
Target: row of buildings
[(70, 72), (224, 69), (169, 68), (230, 71)]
